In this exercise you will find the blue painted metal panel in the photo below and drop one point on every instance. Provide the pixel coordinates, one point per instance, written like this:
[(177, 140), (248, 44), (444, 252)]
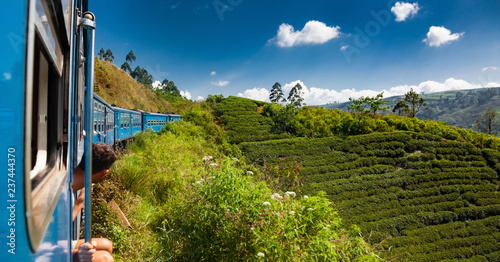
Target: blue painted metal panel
[(124, 123), (14, 240), (153, 121), (174, 118), (103, 115), (13, 235)]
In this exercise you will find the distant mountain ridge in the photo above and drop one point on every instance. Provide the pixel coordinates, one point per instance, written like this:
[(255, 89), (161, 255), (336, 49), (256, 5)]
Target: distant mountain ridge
[(458, 108)]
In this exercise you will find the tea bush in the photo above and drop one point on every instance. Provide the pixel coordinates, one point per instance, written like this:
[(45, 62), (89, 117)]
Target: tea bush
[(231, 218)]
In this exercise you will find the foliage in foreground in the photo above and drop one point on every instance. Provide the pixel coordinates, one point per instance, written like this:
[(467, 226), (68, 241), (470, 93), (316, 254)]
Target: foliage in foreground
[(188, 201), (229, 217)]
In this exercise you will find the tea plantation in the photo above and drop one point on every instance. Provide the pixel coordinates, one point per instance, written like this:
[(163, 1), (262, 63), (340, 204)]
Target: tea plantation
[(429, 193), (243, 122), (420, 197)]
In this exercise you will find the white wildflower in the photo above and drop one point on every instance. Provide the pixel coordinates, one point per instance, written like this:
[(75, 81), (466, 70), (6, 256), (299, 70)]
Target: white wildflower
[(250, 173), (213, 164), (260, 254), (290, 193), (266, 204), (276, 196), (291, 213), (306, 197), (201, 181), (207, 158), (251, 229)]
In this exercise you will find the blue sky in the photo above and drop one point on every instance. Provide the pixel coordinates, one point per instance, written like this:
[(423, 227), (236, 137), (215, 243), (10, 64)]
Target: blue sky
[(334, 49)]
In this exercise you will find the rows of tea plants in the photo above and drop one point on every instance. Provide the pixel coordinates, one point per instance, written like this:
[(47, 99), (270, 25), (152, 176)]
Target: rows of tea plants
[(243, 122), (417, 196)]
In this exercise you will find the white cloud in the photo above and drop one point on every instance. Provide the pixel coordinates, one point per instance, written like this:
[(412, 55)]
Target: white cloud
[(260, 94), (432, 87), (344, 47), (200, 99), (404, 10), (493, 68), (156, 84), (439, 35), (213, 73), (321, 96), (186, 94), (220, 83), (314, 32)]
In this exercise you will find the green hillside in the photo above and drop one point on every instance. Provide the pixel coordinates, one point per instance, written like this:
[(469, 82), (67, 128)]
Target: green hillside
[(117, 87), (419, 190), (187, 195), (243, 122), (458, 108), (423, 198)]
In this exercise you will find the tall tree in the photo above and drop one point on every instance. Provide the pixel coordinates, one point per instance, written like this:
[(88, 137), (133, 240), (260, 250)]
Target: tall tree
[(169, 88), (102, 54), (488, 122), (109, 56), (415, 103), (357, 105), (401, 108), (295, 96), (276, 96), (126, 67), (215, 99), (373, 103), (141, 75), (376, 103), (130, 57)]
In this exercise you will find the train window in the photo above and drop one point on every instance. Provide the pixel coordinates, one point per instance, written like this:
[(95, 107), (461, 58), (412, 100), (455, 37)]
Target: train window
[(45, 28), (101, 120), (101, 114), (45, 89)]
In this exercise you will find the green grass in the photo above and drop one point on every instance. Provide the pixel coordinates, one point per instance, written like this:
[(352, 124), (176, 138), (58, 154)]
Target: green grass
[(189, 201)]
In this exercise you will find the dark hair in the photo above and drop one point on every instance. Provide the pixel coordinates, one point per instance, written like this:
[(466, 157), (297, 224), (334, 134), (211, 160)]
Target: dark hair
[(103, 156)]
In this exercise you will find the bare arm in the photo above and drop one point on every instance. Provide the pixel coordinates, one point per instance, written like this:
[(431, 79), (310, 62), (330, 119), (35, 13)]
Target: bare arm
[(79, 204)]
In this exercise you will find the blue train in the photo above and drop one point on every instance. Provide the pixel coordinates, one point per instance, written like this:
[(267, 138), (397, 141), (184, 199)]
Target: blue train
[(49, 118), (115, 125)]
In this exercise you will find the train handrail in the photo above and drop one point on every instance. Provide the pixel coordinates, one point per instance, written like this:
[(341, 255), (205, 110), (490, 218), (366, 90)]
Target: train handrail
[(87, 23)]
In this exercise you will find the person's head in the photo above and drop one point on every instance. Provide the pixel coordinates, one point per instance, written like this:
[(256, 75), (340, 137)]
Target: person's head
[(103, 156)]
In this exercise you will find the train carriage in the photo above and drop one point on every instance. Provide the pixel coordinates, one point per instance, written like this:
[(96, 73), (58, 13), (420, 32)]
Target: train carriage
[(128, 123), (104, 122), (46, 61), (154, 121), (174, 117), (50, 117)]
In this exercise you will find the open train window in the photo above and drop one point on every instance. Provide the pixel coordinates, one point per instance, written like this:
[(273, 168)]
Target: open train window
[(95, 116), (45, 105)]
